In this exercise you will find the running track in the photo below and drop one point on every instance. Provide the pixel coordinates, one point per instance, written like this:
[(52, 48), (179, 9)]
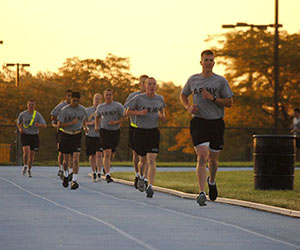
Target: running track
[(38, 213)]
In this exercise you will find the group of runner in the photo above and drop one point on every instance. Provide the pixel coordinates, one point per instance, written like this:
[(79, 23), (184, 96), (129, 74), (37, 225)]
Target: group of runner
[(101, 123)]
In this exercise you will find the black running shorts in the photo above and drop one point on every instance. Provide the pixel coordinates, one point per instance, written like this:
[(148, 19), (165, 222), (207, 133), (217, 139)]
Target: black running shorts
[(147, 141), (110, 139), (211, 131), (70, 143), (31, 140), (92, 145), (131, 137)]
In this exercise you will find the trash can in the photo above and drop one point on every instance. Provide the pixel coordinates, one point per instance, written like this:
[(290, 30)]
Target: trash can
[(274, 161), (4, 153)]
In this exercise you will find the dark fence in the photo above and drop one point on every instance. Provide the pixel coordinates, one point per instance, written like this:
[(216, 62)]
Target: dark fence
[(238, 144)]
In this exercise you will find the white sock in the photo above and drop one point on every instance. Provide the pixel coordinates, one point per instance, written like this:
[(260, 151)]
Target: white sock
[(107, 174), (70, 170), (136, 174), (145, 179), (75, 176), (61, 167), (142, 177)]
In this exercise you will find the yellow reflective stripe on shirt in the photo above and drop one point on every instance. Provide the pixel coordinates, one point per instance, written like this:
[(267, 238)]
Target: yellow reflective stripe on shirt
[(133, 125), (32, 120)]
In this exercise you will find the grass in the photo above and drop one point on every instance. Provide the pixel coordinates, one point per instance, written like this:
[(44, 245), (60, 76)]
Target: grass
[(232, 184)]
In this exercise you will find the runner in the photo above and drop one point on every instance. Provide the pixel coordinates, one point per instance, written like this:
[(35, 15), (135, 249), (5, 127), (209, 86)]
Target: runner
[(93, 143), (54, 113), (147, 108), (71, 119), (211, 93), (110, 115), (132, 127), (29, 121)]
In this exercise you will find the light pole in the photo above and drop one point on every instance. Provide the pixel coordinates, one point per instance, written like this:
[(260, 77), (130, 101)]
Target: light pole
[(276, 57), (18, 67)]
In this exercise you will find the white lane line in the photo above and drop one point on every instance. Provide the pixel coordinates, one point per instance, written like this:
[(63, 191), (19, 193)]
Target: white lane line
[(143, 244), (199, 218)]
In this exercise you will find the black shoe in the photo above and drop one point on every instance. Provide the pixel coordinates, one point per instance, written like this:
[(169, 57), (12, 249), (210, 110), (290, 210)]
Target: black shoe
[(104, 171), (201, 199), (212, 191), (99, 176), (94, 177), (136, 182), (149, 192), (108, 179), (59, 173), (29, 173), (70, 177), (74, 185), (65, 182)]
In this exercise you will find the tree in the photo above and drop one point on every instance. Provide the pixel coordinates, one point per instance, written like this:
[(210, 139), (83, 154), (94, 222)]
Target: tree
[(248, 57)]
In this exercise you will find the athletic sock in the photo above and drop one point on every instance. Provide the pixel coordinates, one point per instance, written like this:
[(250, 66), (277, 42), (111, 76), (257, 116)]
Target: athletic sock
[(75, 176), (136, 174)]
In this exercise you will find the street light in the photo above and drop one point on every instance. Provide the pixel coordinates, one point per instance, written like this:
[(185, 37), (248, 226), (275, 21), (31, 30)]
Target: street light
[(17, 73), (276, 57)]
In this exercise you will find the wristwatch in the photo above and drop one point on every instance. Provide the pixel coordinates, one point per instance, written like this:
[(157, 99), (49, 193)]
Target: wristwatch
[(215, 98)]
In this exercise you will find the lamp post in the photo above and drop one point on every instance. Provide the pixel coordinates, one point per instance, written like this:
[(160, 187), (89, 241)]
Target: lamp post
[(18, 144), (18, 67), (276, 57)]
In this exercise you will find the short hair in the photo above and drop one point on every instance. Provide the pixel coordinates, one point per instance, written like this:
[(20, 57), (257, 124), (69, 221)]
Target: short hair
[(68, 91), (207, 52), (76, 94), (108, 89), (30, 100), (143, 76), (297, 110), (97, 94), (150, 78)]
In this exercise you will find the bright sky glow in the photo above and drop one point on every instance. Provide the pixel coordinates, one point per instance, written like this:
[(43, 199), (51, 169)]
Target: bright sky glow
[(162, 38)]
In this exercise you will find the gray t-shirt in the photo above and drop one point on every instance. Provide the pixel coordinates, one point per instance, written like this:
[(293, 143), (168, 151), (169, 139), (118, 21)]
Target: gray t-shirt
[(57, 109), (25, 117), (132, 95), (216, 85), (153, 104), (91, 115), (110, 112), (68, 114)]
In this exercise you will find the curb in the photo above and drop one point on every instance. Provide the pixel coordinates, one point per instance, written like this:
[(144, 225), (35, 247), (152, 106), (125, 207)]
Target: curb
[(248, 204)]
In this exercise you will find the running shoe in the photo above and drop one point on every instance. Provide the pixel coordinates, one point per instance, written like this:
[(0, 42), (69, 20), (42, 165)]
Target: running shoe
[(146, 183), (99, 176), (65, 182), (201, 199), (136, 182), (94, 177), (109, 179), (24, 170), (212, 191), (141, 185), (74, 185), (59, 172), (29, 173), (70, 177), (149, 192)]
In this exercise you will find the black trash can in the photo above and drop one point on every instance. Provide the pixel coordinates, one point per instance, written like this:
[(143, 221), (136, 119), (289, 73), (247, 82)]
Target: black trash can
[(274, 161)]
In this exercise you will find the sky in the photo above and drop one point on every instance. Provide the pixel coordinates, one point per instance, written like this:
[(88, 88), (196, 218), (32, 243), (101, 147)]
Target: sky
[(162, 38)]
